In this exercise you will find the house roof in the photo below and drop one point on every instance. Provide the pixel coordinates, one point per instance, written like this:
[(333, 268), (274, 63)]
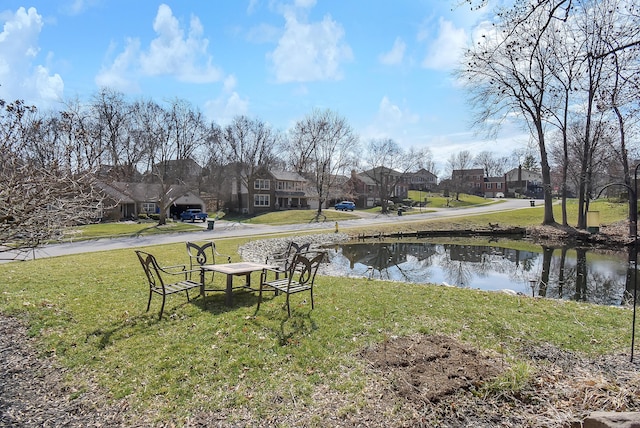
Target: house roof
[(366, 179), (423, 171), (114, 193), (381, 170), (140, 192), (287, 176)]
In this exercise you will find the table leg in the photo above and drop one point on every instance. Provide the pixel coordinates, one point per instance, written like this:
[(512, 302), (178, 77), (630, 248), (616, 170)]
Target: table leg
[(229, 292)]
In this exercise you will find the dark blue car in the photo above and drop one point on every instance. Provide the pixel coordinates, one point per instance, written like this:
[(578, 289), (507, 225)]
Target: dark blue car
[(345, 206)]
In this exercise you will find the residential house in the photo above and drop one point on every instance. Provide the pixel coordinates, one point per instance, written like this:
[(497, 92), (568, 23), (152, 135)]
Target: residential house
[(422, 180), (291, 190), (179, 171), (129, 200), (524, 182), (368, 187), (469, 181), (272, 190), (494, 187)]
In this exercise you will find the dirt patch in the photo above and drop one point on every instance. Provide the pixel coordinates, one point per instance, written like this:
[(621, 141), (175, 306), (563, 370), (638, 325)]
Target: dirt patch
[(419, 381), (34, 391), (427, 368)]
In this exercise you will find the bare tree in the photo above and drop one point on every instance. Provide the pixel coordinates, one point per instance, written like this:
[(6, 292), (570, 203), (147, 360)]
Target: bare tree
[(113, 115), (216, 181), (389, 166), (492, 165), (250, 146), (155, 133), (508, 72), (38, 198), (545, 59), (458, 165), (322, 146), (83, 151)]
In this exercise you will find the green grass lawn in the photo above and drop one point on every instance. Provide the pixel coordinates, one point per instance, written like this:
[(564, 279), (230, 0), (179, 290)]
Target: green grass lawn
[(436, 200), (89, 311), (101, 230), (299, 216)]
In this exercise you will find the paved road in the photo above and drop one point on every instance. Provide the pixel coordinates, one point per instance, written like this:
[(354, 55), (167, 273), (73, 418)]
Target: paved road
[(227, 229)]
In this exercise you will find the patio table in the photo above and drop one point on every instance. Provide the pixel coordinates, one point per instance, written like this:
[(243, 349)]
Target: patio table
[(231, 270)]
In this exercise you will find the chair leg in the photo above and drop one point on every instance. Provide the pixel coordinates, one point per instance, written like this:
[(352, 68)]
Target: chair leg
[(288, 307), (149, 302), (311, 289), (164, 297)]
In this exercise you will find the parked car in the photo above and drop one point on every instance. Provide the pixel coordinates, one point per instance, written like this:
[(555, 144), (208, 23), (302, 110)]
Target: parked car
[(345, 206), (193, 214)]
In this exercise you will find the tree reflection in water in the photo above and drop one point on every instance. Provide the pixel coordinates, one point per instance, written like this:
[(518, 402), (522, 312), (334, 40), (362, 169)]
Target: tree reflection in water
[(561, 273)]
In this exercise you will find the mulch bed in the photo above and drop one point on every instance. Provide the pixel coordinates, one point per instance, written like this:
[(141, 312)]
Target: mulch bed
[(34, 391)]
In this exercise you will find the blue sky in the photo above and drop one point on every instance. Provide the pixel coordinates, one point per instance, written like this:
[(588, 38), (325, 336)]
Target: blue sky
[(385, 66)]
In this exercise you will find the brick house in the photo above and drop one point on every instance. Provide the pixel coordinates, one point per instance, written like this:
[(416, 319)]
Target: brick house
[(272, 190), (469, 181), (368, 186)]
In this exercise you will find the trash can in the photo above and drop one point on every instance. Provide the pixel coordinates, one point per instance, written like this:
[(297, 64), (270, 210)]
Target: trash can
[(533, 203), (400, 211), (210, 224)]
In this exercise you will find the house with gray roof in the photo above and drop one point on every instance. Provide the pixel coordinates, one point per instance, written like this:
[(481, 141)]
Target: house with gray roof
[(127, 200)]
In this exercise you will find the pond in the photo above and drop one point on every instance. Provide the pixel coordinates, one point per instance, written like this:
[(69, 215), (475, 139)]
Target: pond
[(560, 273)]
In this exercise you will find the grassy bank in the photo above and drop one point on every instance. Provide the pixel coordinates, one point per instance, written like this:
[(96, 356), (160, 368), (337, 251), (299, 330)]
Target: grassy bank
[(89, 311)]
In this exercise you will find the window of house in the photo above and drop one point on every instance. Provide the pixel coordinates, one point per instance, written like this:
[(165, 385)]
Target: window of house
[(149, 207), (261, 200), (289, 185), (499, 186), (261, 184), (489, 185)]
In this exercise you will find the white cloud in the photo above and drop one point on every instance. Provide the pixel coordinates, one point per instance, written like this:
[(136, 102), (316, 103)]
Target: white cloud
[(252, 7), (395, 55), (19, 76), (264, 33), (171, 53), (228, 105), (117, 75), (309, 51), (76, 7), (445, 51), (391, 121)]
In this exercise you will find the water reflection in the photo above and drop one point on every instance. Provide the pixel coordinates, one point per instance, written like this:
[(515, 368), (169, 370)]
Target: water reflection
[(560, 273)]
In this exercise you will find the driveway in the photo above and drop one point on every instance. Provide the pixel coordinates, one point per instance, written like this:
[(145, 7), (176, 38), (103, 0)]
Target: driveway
[(228, 229)]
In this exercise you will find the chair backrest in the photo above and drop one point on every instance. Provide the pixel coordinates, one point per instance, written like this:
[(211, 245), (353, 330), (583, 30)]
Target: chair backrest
[(304, 267), (202, 254), (295, 248), (151, 269), (285, 259)]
